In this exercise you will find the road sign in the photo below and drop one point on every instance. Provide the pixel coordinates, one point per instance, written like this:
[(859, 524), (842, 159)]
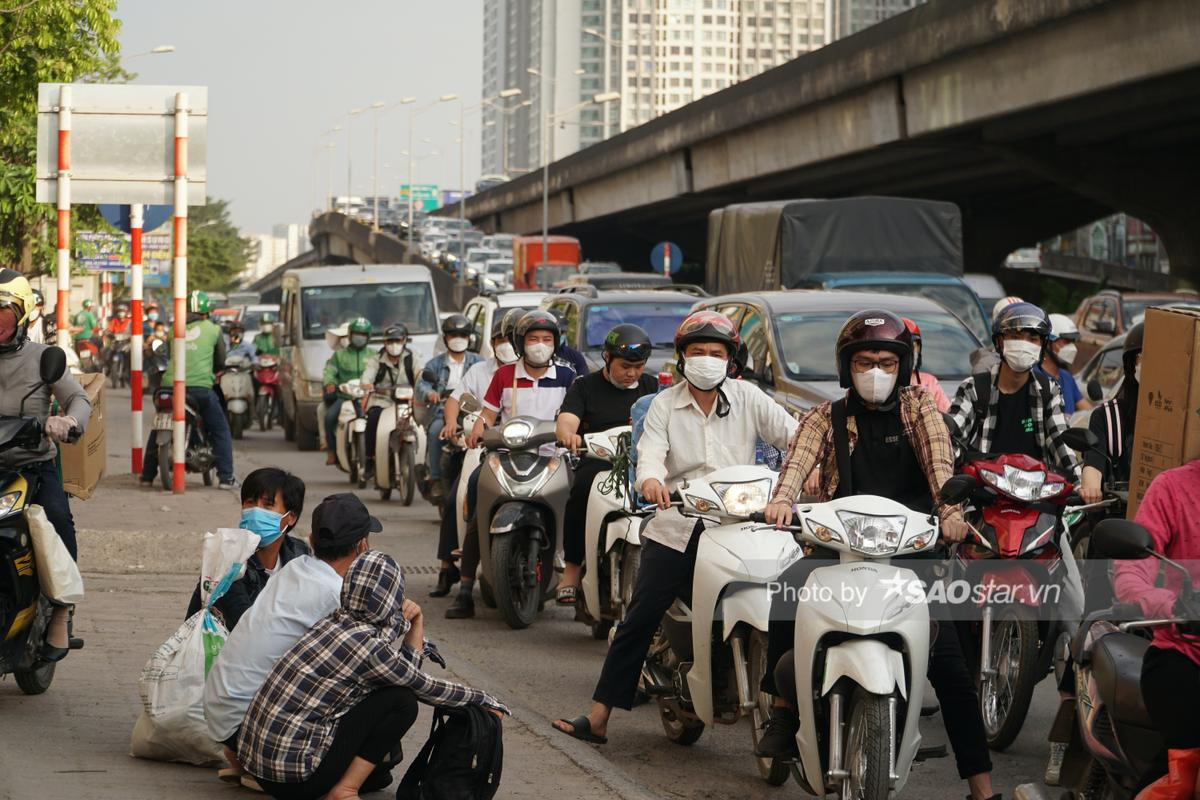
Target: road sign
[(118, 216), (98, 251), (666, 257), (425, 196), (121, 143)]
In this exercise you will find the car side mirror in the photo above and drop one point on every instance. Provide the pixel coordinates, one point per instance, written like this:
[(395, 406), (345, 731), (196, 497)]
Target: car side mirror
[(1120, 538), (1106, 326), (1080, 439), (53, 364), (1095, 391), (957, 489)]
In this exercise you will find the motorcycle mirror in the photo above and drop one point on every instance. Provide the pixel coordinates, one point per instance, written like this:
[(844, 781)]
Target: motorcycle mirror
[(469, 403), (53, 364), (1120, 538), (1080, 439), (957, 489), (1095, 391)]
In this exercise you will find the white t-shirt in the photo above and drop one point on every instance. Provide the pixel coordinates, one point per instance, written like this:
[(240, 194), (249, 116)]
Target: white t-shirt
[(456, 373), (304, 591)]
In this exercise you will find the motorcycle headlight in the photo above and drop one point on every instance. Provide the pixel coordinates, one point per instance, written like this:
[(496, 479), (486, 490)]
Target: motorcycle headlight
[(1027, 485), (872, 535), (8, 501), (516, 432), (745, 498)]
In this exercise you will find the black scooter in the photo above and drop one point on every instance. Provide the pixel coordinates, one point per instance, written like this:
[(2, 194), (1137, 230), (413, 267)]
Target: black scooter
[(198, 446)]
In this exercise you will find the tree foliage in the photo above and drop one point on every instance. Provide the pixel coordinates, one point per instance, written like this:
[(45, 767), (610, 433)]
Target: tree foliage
[(43, 41), (216, 250)]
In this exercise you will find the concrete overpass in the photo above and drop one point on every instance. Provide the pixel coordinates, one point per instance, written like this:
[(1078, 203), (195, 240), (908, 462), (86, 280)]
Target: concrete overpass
[(1034, 116)]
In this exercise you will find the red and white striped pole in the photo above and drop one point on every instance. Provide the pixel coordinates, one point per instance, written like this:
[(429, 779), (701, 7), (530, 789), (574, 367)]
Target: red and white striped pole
[(64, 217), (135, 344), (179, 290)]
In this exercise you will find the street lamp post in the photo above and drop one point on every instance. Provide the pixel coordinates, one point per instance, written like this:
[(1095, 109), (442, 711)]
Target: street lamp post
[(378, 104), (462, 165), (329, 166), (412, 120), (154, 51), (350, 115)]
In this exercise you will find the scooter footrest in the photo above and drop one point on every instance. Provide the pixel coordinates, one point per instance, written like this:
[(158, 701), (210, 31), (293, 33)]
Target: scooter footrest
[(75, 643), (934, 751)]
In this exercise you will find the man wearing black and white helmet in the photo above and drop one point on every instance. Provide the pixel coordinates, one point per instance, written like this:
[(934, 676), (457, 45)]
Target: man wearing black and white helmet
[(448, 369), (388, 369)]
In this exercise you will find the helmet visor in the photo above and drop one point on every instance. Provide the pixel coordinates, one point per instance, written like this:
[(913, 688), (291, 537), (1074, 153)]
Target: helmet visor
[(636, 353)]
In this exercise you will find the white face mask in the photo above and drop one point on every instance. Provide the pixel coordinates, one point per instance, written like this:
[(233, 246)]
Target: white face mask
[(538, 355), (1066, 355), (505, 353), (1021, 356), (1137, 373), (395, 348), (614, 382), (874, 386), (705, 372), (457, 344)]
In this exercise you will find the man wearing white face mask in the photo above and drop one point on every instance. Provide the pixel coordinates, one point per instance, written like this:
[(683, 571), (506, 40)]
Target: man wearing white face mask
[(698, 425), (449, 368), (387, 370), (1056, 365), (1011, 409)]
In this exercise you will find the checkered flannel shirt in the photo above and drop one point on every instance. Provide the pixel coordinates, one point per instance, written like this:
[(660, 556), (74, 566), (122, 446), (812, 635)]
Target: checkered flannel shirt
[(812, 445), (1048, 428)]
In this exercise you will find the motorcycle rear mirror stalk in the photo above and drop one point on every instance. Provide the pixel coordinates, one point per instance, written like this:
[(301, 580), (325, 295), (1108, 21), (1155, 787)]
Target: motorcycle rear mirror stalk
[(1123, 539), (51, 368)]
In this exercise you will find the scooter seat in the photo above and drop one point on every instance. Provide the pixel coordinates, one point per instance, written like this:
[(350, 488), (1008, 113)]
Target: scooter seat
[(1117, 667)]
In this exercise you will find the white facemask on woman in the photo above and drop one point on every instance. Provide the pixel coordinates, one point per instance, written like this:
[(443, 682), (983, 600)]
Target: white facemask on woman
[(874, 386), (705, 372), (1021, 356), (458, 344), (395, 348)]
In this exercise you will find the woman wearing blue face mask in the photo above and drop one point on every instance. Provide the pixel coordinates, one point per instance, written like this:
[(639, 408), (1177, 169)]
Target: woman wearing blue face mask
[(272, 500)]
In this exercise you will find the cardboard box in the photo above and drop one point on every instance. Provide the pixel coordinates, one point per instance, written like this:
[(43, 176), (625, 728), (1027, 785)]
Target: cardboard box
[(1167, 433), (83, 462)]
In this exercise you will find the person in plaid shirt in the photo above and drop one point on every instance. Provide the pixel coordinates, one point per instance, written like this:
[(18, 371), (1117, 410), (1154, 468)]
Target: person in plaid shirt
[(894, 444), (342, 698), (1023, 411)]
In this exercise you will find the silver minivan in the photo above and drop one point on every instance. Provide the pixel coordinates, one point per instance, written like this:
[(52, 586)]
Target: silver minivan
[(316, 299)]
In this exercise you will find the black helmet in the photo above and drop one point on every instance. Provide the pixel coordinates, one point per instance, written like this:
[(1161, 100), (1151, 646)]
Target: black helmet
[(629, 343), (1020, 317), (457, 325), (561, 319), (38, 299), (536, 320), (874, 329), (509, 324), (397, 331), (497, 326), (1132, 349)]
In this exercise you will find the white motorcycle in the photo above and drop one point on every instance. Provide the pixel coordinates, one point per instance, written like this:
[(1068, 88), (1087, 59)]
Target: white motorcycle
[(862, 647), (613, 541), (708, 658), (350, 435), (402, 440), (468, 413), (238, 388)]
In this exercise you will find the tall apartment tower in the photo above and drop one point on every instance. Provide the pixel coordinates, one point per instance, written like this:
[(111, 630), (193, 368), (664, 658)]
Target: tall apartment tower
[(851, 16)]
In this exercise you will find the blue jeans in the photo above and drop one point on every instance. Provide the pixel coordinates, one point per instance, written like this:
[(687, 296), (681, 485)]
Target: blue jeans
[(331, 420), (51, 497), (433, 444), (213, 416)]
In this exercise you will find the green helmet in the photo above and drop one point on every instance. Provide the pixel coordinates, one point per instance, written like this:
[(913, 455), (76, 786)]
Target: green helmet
[(360, 325), (198, 302)]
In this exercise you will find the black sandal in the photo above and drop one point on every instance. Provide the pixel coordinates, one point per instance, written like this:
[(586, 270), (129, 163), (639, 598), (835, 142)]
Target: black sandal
[(581, 729), (567, 596)]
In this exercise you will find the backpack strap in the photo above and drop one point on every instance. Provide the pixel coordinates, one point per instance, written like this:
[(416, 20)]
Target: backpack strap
[(841, 446), (983, 402), (418, 770)]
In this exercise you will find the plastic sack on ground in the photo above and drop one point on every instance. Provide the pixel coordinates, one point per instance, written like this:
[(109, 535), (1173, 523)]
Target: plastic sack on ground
[(56, 570), (171, 726)]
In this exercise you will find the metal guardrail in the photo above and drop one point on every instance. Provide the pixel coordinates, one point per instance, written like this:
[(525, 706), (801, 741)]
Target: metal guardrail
[(1091, 270)]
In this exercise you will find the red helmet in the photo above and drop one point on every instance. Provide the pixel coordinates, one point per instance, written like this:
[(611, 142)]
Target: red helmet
[(875, 329), (915, 330), (707, 326)]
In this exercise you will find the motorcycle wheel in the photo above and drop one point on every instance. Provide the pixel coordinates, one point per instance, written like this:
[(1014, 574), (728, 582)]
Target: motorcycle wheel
[(631, 564), (679, 727), (208, 477), (771, 770), (289, 427), (600, 628), (517, 592), (36, 680), (264, 412), (1004, 698), (360, 455), (236, 424), (164, 464), (868, 742), (406, 480)]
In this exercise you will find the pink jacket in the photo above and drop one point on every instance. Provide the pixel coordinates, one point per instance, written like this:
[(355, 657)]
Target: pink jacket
[(934, 388), (1169, 511)]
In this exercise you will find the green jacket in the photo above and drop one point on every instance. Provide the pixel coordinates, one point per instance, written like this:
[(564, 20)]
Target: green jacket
[(346, 365), (204, 353), (264, 344), (86, 320)]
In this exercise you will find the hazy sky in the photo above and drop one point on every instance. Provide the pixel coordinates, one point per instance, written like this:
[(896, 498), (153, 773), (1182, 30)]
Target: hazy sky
[(281, 72)]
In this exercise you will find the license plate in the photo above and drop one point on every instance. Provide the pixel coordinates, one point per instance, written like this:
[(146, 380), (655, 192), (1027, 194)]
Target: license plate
[(162, 421)]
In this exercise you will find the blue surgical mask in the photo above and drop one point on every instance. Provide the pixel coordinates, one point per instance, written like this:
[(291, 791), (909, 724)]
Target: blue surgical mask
[(264, 522), (153, 315)]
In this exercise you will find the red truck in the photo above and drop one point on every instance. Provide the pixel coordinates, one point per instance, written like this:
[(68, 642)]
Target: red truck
[(531, 271)]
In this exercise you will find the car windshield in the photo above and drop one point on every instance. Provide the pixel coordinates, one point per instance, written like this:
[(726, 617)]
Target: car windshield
[(953, 297), (253, 319), (602, 267), (807, 342), (499, 267), (551, 276), (659, 320), (410, 304), (481, 255)]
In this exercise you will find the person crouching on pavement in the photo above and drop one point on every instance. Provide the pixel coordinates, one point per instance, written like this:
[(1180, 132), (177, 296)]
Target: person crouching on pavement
[(346, 693), (272, 500)]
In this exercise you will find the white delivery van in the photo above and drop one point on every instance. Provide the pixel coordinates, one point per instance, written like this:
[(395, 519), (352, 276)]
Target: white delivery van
[(315, 299)]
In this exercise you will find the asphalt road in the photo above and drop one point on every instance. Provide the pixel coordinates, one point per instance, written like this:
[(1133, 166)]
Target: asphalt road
[(139, 550)]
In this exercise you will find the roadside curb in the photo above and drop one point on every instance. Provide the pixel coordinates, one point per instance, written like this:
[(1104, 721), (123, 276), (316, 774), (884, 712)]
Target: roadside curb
[(583, 755)]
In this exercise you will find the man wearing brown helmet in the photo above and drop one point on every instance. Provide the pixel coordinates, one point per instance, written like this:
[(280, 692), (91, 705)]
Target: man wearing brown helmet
[(886, 438)]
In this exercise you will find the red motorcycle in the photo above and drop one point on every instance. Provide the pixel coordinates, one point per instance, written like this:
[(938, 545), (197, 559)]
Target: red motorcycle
[(1013, 563), (266, 377)]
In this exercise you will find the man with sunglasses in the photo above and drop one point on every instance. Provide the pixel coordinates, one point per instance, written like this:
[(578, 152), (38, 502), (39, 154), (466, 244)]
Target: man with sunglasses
[(597, 402)]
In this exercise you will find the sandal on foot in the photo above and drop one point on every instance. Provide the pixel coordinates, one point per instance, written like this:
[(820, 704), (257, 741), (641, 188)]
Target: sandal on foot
[(231, 774), (581, 729), (567, 595)]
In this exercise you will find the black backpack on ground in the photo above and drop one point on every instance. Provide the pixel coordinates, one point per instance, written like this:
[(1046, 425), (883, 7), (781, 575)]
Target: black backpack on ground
[(462, 759)]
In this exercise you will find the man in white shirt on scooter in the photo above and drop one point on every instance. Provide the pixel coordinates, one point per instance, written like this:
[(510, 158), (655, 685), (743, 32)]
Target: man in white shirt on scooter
[(699, 425)]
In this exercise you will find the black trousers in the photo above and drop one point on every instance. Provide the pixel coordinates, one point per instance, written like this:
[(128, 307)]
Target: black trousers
[(372, 427), (1171, 688), (470, 548), (575, 515), (370, 730), (664, 575), (51, 497), (448, 528)]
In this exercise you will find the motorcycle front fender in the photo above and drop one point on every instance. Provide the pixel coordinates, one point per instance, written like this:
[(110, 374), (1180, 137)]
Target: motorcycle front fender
[(514, 515), (868, 662), (1008, 582)]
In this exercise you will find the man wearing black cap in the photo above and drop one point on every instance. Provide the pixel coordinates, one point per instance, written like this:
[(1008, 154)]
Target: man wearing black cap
[(304, 591)]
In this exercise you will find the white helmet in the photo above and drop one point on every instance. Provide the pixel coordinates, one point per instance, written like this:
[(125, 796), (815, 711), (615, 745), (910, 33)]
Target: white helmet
[(1062, 327), (1003, 303)]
